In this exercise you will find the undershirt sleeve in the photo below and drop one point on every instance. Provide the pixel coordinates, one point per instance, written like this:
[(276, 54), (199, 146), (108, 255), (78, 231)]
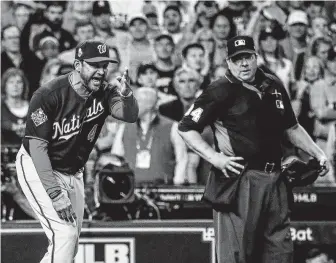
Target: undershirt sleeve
[(39, 153)]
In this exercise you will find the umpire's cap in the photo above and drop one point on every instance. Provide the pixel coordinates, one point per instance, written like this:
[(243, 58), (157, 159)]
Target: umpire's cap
[(93, 51), (240, 44)]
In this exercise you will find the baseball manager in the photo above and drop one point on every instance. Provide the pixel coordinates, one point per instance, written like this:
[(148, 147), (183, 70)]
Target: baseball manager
[(64, 120)]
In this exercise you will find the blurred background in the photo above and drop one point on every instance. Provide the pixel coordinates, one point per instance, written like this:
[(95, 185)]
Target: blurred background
[(173, 50)]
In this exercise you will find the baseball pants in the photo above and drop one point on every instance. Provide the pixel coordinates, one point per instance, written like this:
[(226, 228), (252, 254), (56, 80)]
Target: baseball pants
[(63, 236), (259, 231)]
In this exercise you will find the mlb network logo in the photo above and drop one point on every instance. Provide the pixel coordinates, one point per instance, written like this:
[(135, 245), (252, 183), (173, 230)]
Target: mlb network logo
[(106, 250)]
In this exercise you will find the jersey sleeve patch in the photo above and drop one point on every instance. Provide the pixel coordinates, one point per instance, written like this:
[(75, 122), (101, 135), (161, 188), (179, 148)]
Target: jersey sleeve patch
[(39, 117)]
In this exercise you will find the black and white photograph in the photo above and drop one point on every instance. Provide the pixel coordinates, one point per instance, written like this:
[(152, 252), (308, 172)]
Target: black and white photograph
[(166, 131)]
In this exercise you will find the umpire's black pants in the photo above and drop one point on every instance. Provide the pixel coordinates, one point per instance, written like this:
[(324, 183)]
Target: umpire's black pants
[(258, 231)]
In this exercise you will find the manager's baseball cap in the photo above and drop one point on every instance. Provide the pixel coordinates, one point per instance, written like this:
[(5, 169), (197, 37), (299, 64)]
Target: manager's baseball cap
[(93, 51), (240, 44)]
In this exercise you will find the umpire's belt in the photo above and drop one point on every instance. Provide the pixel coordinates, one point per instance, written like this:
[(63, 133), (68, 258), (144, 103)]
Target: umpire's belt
[(267, 167)]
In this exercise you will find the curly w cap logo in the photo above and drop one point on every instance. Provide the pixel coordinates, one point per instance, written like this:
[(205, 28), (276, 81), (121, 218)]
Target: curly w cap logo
[(239, 42), (101, 48), (38, 117)]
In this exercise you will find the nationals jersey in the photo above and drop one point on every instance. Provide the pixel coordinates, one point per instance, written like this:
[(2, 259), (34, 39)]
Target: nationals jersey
[(68, 122)]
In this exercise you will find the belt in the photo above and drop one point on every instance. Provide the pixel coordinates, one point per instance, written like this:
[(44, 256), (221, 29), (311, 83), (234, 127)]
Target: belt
[(267, 167)]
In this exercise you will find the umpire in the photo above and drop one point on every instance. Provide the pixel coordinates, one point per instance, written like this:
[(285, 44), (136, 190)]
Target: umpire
[(249, 112)]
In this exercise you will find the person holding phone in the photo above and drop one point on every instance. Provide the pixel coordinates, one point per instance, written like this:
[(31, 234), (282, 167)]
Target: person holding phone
[(64, 120)]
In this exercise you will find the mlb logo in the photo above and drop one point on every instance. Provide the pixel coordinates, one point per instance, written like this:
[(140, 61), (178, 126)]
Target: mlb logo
[(239, 42), (106, 250)]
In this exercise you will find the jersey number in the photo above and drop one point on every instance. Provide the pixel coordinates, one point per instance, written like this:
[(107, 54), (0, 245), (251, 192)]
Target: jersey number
[(92, 133), (196, 114)]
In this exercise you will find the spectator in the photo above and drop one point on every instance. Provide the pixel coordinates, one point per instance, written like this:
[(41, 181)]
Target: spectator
[(205, 11), (101, 12), (320, 47), (187, 83), (14, 106), (271, 57), (332, 31), (147, 76), (83, 31), (314, 9), (22, 11), (77, 12), (194, 58), (238, 12), (206, 38), (151, 13), (47, 24), (139, 50), (172, 25), (223, 29), (10, 55), (313, 71), (315, 255), (50, 70), (323, 103), (164, 49), (296, 43), (48, 48), (152, 146), (319, 27), (113, 69)]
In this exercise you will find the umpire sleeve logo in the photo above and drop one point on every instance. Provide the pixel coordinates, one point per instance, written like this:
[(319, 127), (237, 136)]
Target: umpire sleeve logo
[(38, 117)]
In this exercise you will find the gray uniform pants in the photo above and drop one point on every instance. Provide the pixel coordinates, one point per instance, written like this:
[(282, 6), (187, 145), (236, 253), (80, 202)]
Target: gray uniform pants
[(258, 231)]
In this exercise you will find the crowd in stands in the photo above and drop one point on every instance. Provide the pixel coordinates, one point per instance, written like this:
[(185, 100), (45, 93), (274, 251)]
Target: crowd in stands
[(173, 50)]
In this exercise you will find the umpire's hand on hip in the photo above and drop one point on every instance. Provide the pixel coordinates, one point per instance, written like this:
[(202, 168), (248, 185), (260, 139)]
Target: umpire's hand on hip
[(324, 165), (122, 84), (228, 164), (63, 207)]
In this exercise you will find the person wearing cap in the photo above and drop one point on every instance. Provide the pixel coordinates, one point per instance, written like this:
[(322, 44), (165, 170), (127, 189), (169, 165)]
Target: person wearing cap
[(296, 42), (64, 120), (21, 12), (148, 76), (104, 30), (250, 113), (140, 48), (164, 48)]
